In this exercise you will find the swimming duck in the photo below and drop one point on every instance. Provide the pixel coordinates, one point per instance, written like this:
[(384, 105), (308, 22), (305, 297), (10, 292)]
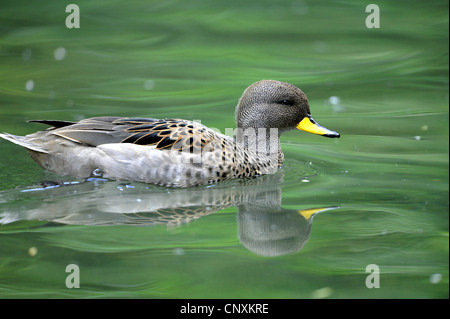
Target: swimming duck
[(176, 152)]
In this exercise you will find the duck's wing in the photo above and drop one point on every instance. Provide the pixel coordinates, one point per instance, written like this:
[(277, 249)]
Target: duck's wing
[(161, 133)]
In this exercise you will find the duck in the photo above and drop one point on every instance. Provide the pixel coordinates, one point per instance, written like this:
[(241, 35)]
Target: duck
[(175, 152)]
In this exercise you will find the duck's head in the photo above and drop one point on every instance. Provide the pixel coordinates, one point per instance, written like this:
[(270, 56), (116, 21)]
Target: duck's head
[(275, 104)]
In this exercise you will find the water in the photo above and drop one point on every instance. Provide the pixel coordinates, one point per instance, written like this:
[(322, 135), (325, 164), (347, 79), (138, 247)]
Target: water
[(381, 191)]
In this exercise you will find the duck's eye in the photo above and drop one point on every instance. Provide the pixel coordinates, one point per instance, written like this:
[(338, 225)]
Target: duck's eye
[(285, 102)]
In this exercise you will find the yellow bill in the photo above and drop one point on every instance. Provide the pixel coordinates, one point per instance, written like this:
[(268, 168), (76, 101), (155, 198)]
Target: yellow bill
[(309, 125), (309, 213)]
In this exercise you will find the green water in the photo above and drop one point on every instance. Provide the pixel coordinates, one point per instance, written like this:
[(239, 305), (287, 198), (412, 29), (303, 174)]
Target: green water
[(385, 180)]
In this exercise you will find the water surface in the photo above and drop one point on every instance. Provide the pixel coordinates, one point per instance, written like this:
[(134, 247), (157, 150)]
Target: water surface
[(378, 195)]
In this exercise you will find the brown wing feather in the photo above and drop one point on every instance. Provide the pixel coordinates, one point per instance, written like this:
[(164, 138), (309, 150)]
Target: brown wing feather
[(164, 134)]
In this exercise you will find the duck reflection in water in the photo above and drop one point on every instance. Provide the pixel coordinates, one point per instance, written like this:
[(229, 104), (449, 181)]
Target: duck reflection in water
[(267, 229), (264, 227)]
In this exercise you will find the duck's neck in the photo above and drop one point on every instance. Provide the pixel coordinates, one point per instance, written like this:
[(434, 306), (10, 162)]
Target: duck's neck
[(264, 143)]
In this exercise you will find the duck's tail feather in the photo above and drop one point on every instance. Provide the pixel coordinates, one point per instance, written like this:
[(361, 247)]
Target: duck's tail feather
[(54, 123), (23, 141)]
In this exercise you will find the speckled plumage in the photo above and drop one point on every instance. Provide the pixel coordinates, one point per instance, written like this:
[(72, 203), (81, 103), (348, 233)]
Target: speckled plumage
[(174, 152)]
